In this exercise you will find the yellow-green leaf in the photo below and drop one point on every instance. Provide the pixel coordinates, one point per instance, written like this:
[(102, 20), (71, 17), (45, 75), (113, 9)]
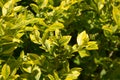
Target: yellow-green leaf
[(51, 77), (35, 37), (116, 15), (82, 38), (44, 4), (35, 7), (5, 71), (65, 40), (92, 45), (56, 76), (83, 53), (2, 32), (54, 26), (18, 8), (7, 7), (74, 73)]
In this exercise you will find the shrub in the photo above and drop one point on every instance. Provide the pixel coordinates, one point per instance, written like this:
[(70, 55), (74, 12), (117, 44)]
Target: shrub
[(59, 39)]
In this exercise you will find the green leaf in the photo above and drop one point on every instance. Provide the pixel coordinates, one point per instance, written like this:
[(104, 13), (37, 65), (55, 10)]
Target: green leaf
[(116, 15), (102, 73), (35, 37), (74, 73), (2, 32), (54, 26), (48, 44), (18, 8), (100, 3), (44, 4), (1, 4), (65, 40), (9, 48), (75, 48), (82, 38), (5, 71), (92, 45), (27, 68), (24, 23), (7, 8), (50, 77), (56, 76), (83, 53), (35, 8), (36, 72), (109, 30)]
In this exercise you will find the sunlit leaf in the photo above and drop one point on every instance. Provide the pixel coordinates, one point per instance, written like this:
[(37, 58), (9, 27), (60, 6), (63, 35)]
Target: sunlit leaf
[(65, 40), (75, 48), (36, 72), (44, 4), (116, 15), (24, 23), (54, 26), (56, 76), (109, 30), (27, 68), (100, 3), (35, 37), (5, 71), (74, 73), (82, 38), (9, 48), (7, 8), (83, 53), (92, 45), (35, 7), (18, 8), (2, 32), (50, 77)]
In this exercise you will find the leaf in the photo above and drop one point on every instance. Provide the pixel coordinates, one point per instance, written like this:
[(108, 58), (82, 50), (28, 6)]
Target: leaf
[(2, 32), (92, 45), (35, 8), (65, 40), (1, 4), (116, 15), (5, 71), (27, 68), (109, 30), (57, 33), (54, 26), (9, 48), (35, 37), (44, 4), (16, 40), (36, 72), (100, 4), (48, 45), (19, 35), (18, 8), (83, 53), (102, 73), (50, 77), (56, 76), (105, 27), (74, 73), (7, 8), (82, 38), (24, 23), (75, 48)]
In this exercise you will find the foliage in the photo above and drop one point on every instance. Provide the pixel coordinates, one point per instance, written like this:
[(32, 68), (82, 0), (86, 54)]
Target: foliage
[(59, 39)]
